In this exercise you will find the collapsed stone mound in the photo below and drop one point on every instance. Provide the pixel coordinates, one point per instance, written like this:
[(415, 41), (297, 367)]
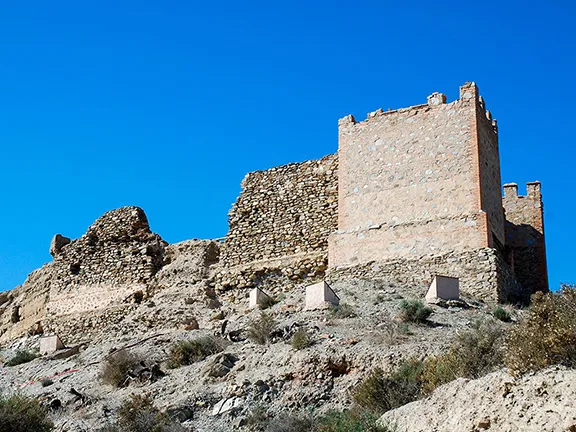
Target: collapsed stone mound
[(115, 260)]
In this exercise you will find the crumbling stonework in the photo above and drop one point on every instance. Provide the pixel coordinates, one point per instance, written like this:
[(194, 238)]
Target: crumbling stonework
[(280, 223), (483, 274), (111, 264)]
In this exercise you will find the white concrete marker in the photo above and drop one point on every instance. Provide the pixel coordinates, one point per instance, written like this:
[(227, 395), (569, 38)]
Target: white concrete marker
[(50, 344), (320, 296), (444, 287)]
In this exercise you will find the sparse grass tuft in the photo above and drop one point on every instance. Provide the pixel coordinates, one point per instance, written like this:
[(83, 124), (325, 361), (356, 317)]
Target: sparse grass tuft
[(21, 357), (343, 310), (350, 421), (414, 311), (260, 329), (501, 314), (184, 353), (23, 414), (267, 302)]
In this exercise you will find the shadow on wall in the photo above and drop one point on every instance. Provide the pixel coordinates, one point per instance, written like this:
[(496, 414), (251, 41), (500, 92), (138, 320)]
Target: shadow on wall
[(526, 254)]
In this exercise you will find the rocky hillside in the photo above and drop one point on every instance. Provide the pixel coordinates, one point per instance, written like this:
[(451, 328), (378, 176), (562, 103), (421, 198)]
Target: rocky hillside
[(211, 363)]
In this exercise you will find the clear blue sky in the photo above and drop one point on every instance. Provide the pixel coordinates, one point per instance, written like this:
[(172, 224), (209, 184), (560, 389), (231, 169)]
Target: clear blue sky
[(168, 104)]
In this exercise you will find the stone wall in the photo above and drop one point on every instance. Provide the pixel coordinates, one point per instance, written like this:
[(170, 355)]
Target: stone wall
[(483, 274), (281, 220), (525, 236), (410, 182)]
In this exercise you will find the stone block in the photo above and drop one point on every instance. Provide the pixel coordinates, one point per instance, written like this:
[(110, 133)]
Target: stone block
[(320, 295), (50, 344), (444, 287), (257, 296)]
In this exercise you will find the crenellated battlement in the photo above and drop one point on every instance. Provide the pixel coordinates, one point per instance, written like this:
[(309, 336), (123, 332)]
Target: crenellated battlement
[(533, 191), (469, 93)]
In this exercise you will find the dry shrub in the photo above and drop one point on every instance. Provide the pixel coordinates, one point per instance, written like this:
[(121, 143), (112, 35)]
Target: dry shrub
[(414, 311), (379, 393), (300, 340), (546, 335), (291, 422), (21, 357), (473, 354), (116, 367), (260, 329), (184, 353), (23, 414), (138, 414)]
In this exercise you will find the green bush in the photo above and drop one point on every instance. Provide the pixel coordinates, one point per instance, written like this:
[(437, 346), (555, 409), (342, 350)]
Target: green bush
[(115, 369), (21, 357), (414, 311), (260, 329), (501, 314), (138, 414), (22, 414), (300, 340), (546, 335), (184, 353)]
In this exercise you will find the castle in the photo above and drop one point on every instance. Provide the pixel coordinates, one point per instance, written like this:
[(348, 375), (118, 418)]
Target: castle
[(412, 193)]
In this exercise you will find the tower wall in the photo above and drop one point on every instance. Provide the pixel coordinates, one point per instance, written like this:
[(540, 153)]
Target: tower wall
[(420, 180), (525, 244)]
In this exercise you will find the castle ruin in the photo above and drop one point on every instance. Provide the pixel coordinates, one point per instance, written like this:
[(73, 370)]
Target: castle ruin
[(411, 193)]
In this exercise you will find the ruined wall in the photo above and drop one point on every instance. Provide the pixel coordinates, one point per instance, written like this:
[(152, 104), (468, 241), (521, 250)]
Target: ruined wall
[(525, 236), (281, 219), (113, 261)]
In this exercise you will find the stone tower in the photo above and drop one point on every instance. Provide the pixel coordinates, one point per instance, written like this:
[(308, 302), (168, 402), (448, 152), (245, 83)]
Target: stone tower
[(424, 181)]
